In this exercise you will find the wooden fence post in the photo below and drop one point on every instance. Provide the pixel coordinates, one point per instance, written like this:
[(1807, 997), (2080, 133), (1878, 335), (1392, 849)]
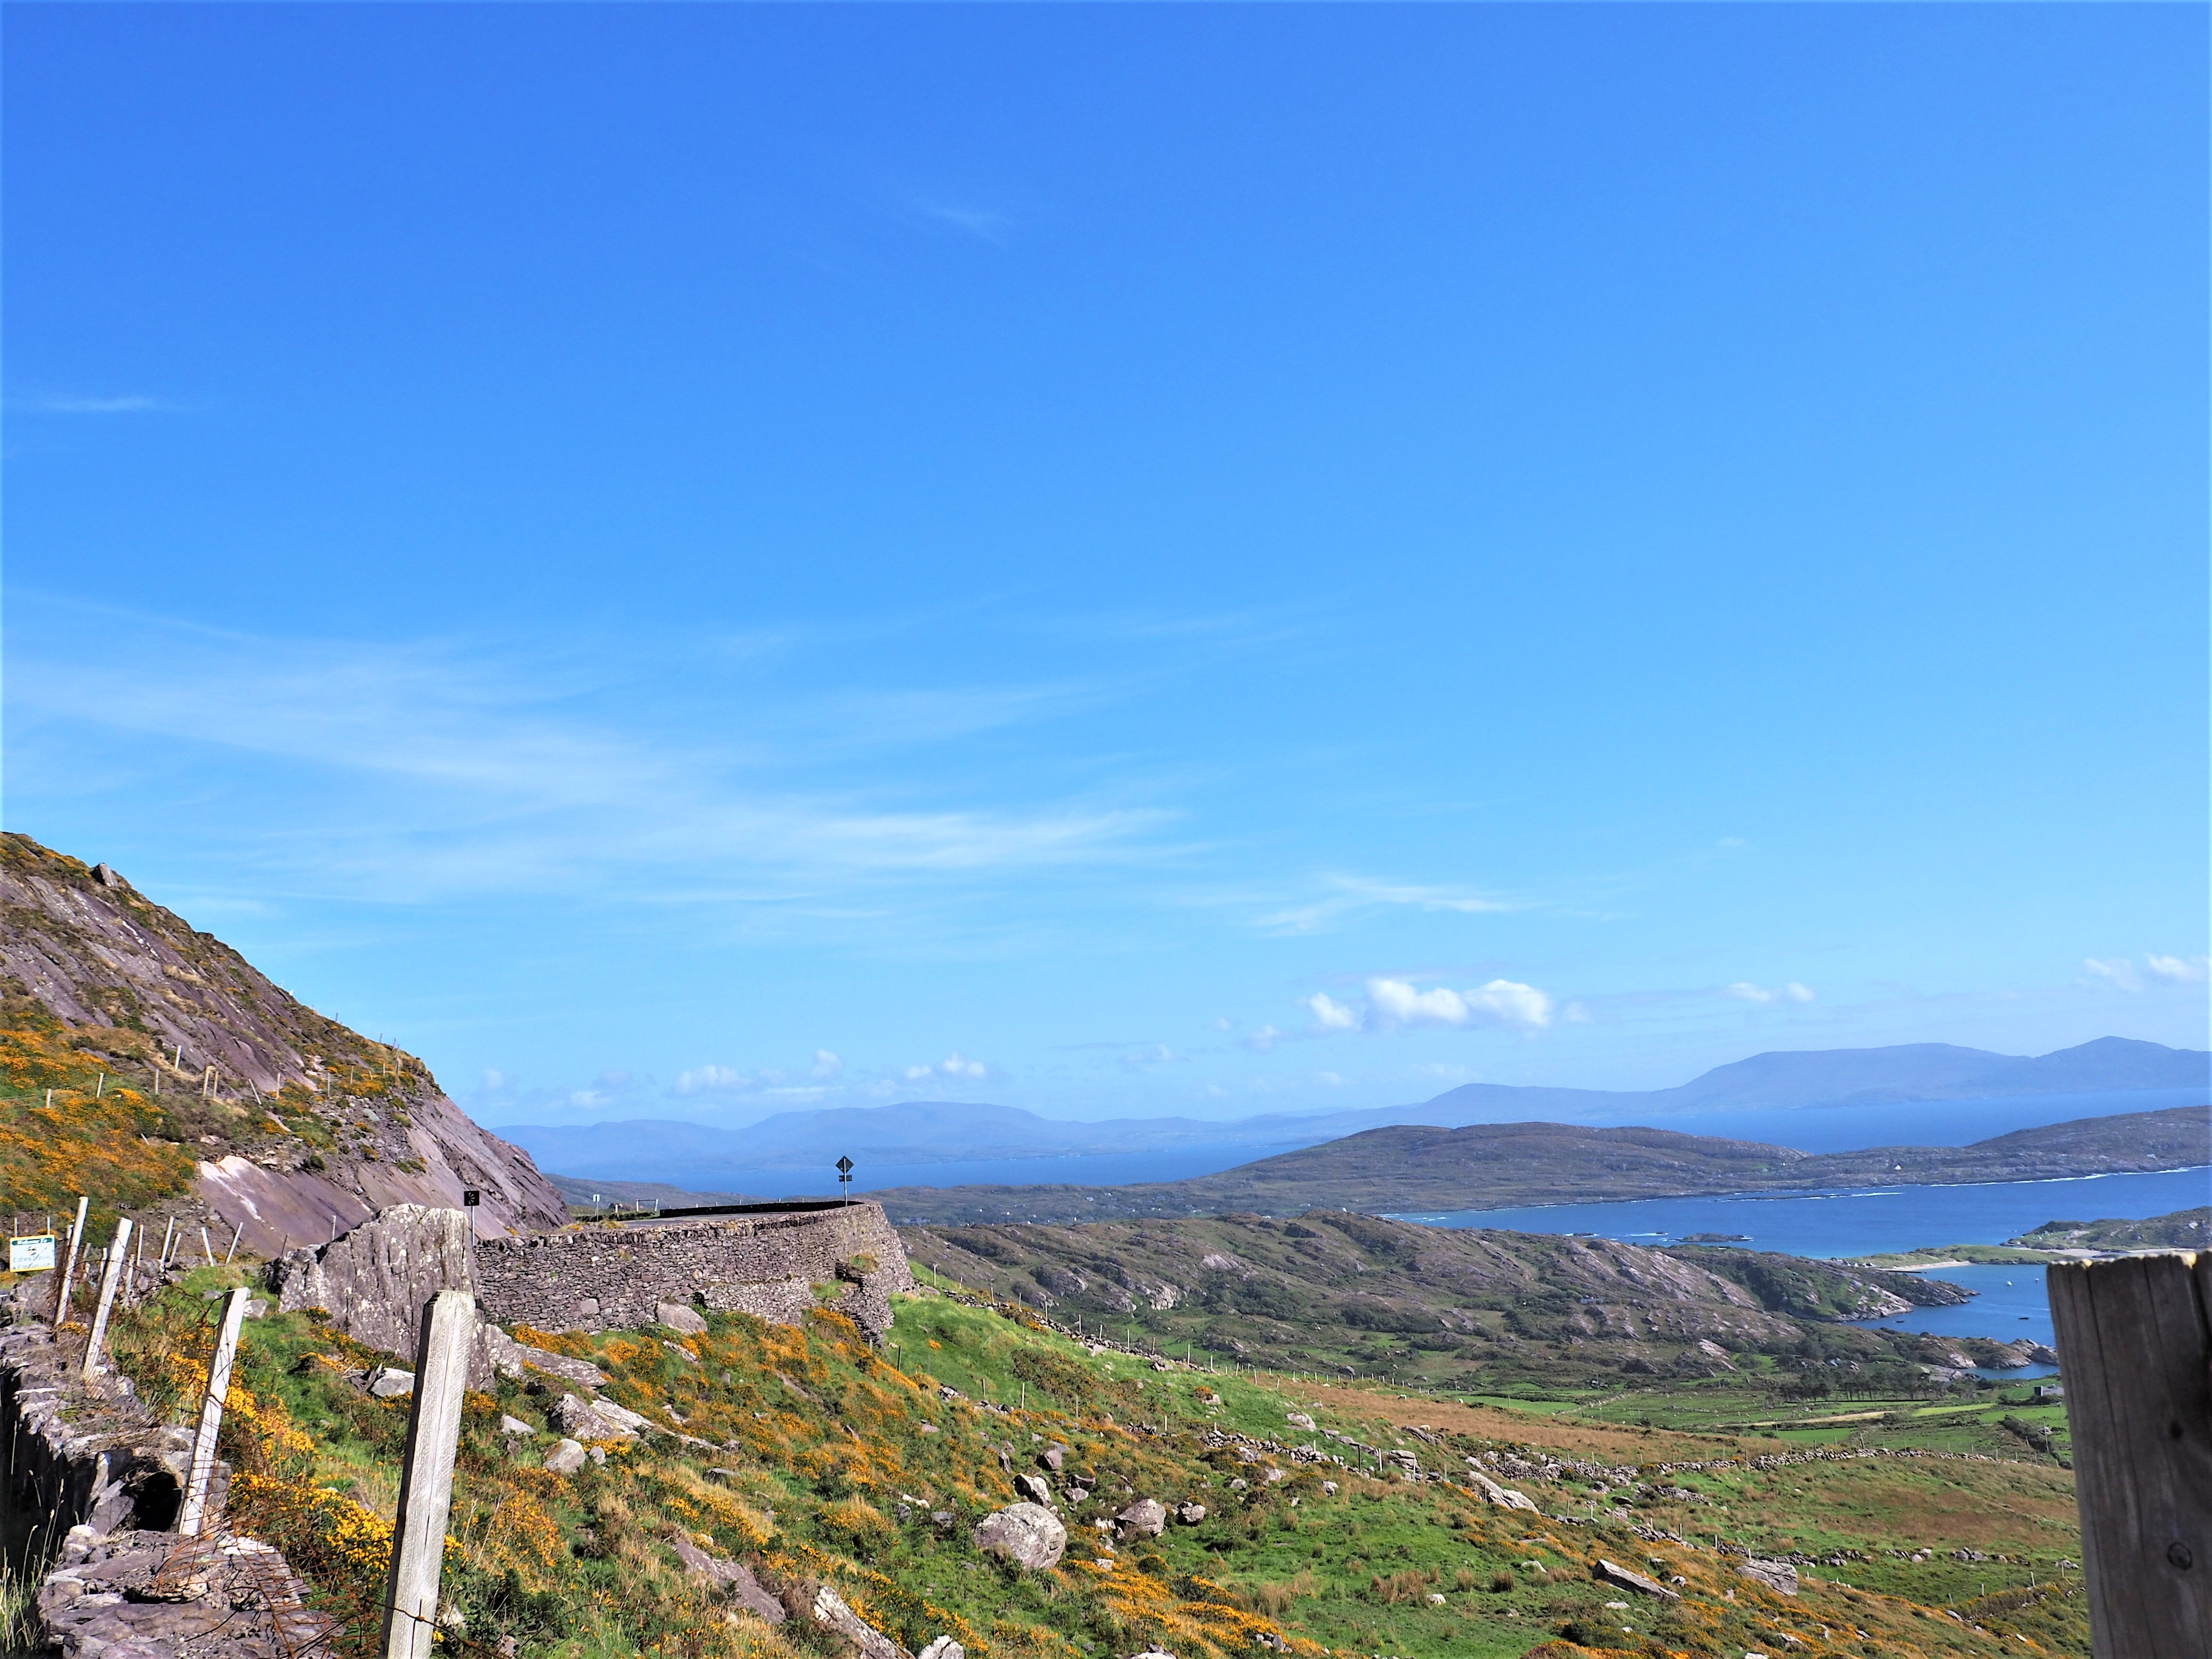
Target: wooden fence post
[(218, 1388), (118, 1254), (69, 1267), (2135, 1351), (426, 1480)]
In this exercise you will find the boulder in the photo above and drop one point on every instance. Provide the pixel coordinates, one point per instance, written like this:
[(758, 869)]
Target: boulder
[(564, 1459), (942, 1648), (689, 1322), (1497, 1494), (1777, 1576), (388, 1383), (510, 1358), (1034, 1487), (1027, 1534), (1146, 1518), (1301, 1420), (829, 1609), (597, 1419), (514, 1426), (1190, 1514), (1052, 1457), (1611, 1572)]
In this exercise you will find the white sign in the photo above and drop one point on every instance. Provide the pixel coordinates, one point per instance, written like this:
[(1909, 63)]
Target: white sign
[(32, 1255)]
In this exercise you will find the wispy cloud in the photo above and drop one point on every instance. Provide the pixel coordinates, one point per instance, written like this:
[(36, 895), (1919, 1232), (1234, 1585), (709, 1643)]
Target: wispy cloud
[(2120, 971), (422, 769), (986, 224), (55, 404), (1344, 898)]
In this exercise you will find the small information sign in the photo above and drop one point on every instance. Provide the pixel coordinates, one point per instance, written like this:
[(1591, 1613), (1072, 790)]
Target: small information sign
[(30, 1254)]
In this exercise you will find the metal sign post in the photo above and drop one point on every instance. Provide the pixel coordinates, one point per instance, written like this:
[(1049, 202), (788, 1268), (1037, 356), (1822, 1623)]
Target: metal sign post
[(845, 1178)]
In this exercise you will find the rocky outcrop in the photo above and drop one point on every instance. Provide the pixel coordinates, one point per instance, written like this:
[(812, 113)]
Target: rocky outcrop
[(176, 1009), (1028, 1535), (733, 1577), (1780, 1576)]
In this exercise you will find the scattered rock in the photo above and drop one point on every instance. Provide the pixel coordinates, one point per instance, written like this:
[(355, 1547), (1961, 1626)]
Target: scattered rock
[(1301, 1420), (1034, 1487), (1329, 1488), (1027, 1534), (678, 1317), (596, 1419), (564, 1459), (514, 1426), (1053, 1457), (942, 1648), (1190, 1514), (1146, 1518), (387, 1382)]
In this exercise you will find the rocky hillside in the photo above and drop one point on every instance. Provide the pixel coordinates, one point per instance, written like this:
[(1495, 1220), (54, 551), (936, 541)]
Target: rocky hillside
[(292, 1123), (2185, 1229), (1351, 1294), (1498, 1165)]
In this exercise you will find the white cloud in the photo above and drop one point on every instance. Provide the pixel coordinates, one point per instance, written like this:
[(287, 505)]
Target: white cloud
[(2178, 970), (1792, 992), (952, 1065), (1330, 1015), (1328, 1079), (826, 1064), (712, 1080), (1393, 1002), (2120, 972), (1262, 1040)]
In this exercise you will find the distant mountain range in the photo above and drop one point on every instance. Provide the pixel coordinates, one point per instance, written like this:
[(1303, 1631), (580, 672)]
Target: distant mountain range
[(1407, 1169), (930, 1131)]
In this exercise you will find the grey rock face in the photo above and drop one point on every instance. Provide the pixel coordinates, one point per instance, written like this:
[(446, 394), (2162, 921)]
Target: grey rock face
[(732, 1576), (829, 1609), (374, 1280), (1777, 1576), (1146, 1518), (1027, 1534), (564, 1459), (596, 1419)]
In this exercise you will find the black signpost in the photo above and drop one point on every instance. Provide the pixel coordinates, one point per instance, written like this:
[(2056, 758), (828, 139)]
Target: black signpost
[(845, 1179)]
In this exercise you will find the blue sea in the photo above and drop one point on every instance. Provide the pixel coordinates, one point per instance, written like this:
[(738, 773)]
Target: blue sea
[(2009, 1302)]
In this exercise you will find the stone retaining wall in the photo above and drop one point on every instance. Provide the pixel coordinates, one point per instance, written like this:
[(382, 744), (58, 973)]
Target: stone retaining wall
[(767, 1264)]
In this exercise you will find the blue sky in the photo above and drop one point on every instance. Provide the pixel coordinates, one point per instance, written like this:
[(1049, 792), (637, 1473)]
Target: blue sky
[(680, 562)]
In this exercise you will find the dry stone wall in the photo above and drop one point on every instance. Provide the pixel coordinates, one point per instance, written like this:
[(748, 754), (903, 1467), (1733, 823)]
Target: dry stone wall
[(776, 1264), (768, 1264)]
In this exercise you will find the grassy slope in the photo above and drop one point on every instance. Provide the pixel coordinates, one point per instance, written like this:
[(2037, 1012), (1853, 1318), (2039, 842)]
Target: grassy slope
[(812, 1490)]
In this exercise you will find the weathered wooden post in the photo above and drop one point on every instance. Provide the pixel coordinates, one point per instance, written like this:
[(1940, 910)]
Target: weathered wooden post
[(194, 1514), (118, 1254), (425, 1481), (69, 1267), (2135, 1351)]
